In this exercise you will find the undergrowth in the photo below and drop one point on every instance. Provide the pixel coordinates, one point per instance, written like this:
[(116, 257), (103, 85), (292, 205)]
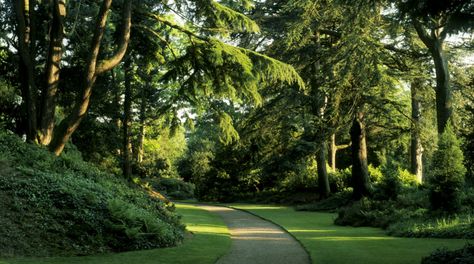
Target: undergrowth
[(65, 206)]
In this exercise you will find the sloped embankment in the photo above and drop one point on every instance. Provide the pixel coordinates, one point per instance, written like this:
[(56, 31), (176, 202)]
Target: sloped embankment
[(65, 206)]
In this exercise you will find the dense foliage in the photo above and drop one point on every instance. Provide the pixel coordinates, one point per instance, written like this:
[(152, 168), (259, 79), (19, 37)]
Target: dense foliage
[(447, 177), (67, 206), (464, 255)]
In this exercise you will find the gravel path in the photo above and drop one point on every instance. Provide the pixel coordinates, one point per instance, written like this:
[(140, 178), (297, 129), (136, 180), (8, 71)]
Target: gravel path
[(256, 241)]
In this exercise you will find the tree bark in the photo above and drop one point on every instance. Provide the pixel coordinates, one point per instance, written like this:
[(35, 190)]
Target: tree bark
[(141, 135), (117, 112), (127, 112), (444, 97), (435, 43), (323, 180), (67, 127), (28, 86), (319, 109), (360, 173), (52, 71), (416, 148), (332, 154), (333, 151)]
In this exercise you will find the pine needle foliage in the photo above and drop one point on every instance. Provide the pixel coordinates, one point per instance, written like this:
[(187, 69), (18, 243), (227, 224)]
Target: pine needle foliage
[(213, 16), (214, 69), (209, 68)]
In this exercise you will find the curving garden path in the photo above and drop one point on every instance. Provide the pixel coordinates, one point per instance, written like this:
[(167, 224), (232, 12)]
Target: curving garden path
[(256, 241)]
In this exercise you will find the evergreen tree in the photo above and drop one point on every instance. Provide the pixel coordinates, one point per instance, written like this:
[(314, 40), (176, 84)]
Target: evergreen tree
[(447, 176)]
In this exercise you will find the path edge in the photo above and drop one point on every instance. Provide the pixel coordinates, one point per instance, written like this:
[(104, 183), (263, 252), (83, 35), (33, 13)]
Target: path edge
[(278, 225), (198, 205)]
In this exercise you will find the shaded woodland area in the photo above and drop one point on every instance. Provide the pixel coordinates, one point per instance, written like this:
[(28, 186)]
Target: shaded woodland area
[(364, 108)]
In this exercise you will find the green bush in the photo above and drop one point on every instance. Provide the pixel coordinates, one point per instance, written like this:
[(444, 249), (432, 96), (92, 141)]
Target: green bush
[(443, 256), (375, 174), (447, 176), (173, 188), (333, 202), (393, 182), (339, 180), (62, 206)]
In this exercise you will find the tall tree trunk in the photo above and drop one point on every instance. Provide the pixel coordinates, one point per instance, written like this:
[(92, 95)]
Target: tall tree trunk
[(360, 173), (444, 97), (434, 41), (52, 71), (141, 135), (416, 148), (127, 112), (117, 108), (94, 67), (23, 11), (319, 109), (323, 180)]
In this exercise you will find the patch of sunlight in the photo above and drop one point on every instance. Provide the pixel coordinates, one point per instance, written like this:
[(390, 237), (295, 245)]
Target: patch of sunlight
[(311, 231), (186, 206), (207, 229), (344, 238), (258, 207)]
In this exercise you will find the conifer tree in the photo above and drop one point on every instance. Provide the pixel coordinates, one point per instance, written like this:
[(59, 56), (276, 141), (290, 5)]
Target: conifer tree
[(447, 176)]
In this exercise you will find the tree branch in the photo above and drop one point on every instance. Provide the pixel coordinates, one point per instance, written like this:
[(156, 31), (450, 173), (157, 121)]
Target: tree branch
[(108, 64), (427, 40)]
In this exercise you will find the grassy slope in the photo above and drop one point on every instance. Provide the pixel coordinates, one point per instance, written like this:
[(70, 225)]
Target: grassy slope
[(328, 243), (211, 240)]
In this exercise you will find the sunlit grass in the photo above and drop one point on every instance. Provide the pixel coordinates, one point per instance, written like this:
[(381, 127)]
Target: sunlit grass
[(211, 240), (328, 243)]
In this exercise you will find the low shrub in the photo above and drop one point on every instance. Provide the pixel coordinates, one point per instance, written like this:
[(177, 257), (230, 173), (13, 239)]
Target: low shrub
[(339, 180), (464, 255), (173, 188), (332, 203)]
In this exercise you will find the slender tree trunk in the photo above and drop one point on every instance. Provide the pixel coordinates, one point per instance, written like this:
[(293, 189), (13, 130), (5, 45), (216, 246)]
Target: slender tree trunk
[(28, 87), (141, 135), (416, 148), (52, 71), (332, 154), (323, 180), (127, 112), (94, 67), (360, 173), (333, 151), (117, 108)]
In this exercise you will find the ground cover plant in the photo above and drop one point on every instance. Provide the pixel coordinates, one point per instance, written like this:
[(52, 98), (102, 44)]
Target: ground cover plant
[(65, 206), (329, 243), (209, 239)]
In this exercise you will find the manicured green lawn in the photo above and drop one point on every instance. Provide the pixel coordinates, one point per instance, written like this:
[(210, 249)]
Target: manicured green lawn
[(211, 240), (328, 243)]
